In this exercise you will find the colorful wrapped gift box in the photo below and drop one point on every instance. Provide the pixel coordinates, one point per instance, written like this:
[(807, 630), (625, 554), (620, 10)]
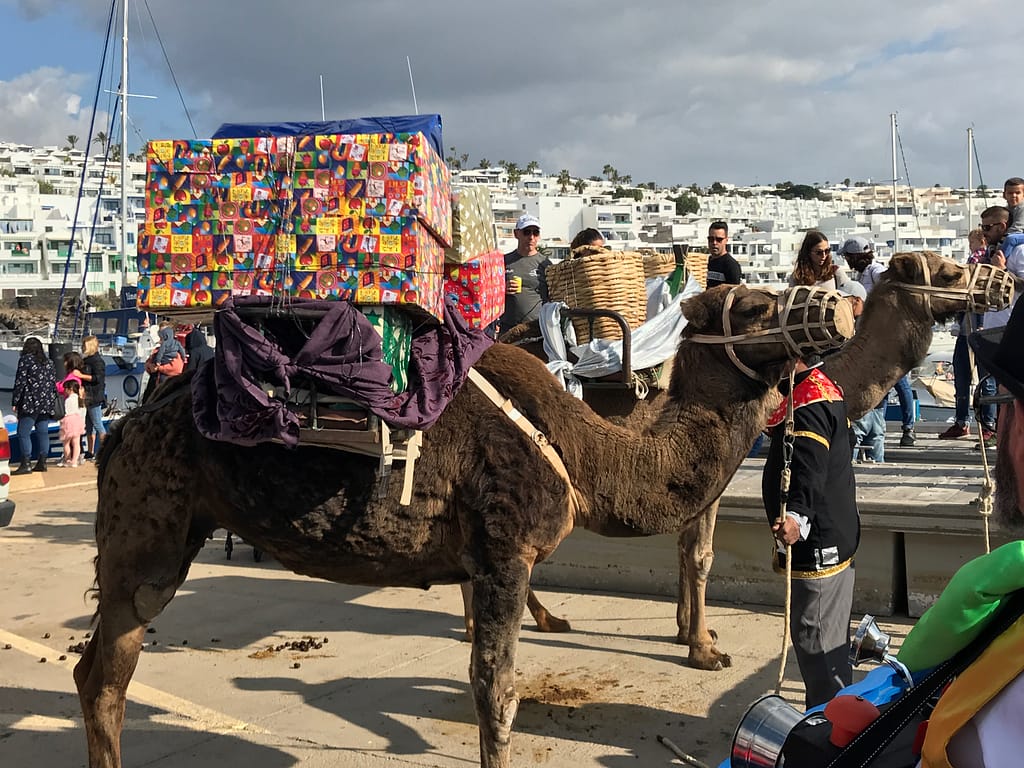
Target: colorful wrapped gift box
[(387, 174), (478, 287), (192, 289), (395, 330), (363, 213), (472, 225)]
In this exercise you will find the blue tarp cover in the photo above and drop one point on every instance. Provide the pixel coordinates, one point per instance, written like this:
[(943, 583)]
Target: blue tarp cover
[(428, 125)]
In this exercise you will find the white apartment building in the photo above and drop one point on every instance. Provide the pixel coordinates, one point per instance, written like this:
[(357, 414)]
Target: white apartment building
[(39, 198)]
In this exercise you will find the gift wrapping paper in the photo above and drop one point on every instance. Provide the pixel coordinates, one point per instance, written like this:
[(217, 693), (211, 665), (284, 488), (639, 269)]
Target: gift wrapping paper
[(367, 214), (478, 287), (472, 225)]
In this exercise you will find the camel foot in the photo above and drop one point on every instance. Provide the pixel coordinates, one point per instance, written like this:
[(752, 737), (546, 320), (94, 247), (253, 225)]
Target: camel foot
[(709, 658), (683, 638), (548, 623)]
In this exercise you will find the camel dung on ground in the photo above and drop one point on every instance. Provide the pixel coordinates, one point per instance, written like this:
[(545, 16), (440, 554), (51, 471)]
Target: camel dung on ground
[(475, 514)]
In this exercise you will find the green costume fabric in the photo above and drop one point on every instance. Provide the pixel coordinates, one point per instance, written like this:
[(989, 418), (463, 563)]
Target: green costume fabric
[(971, 598)]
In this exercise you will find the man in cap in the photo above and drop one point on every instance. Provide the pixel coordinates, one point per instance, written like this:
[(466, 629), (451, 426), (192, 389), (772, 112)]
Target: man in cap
[(525, 285), (998, 350), (976, 720), (860, 255)]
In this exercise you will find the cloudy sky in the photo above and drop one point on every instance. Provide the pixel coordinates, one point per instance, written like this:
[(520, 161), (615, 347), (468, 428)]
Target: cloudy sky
[(672, 91)]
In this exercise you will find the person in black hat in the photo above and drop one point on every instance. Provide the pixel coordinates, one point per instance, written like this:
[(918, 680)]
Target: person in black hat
[(999, 351)]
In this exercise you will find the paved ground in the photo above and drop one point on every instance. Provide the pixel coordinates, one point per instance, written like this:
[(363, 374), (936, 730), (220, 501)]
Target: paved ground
[(389, 687)]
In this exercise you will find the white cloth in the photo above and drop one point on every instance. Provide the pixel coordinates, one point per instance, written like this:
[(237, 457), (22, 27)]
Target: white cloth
[(992, 738), (652, 343)]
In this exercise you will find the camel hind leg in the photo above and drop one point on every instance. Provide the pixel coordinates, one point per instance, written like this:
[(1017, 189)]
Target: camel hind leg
[(499, 597), (546, 621)]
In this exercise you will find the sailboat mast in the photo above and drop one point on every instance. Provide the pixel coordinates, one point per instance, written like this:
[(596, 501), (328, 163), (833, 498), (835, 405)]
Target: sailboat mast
[(895, 178), (970, 182), (124, 147)]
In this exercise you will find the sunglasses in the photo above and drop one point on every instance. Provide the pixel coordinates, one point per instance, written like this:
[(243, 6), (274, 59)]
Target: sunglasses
[(987, 227), (531, 232), (821, 252), (715, 239)]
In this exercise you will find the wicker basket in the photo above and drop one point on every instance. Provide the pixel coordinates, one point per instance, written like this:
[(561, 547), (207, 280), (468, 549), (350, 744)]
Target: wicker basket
[(601, 279), (697, 266), (658, 265)]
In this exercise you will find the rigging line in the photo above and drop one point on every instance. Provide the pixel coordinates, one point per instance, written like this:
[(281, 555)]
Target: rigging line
[(174, 79), (977, 162), (913, 195), (85, 167), (88, 251), (92, 234)]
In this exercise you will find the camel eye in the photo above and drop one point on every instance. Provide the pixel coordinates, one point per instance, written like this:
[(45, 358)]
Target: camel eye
[(949, 275)]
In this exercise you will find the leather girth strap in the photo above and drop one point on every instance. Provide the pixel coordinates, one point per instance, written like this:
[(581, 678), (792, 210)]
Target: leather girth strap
[(535, 436)]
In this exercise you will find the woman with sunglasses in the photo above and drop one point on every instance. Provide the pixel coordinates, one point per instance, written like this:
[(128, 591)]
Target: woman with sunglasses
[(814, 264)]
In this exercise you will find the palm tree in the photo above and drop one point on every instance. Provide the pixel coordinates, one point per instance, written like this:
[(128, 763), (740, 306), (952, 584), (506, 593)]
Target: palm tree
[(102, 139), (580, 185), (71, 139), (626, 180), (484, 163), (564, 180), (514, 173), (115, 153), (532, 166), (609, 171)]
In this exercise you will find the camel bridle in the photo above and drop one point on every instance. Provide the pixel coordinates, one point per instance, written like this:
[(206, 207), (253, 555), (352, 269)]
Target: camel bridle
[(988, 288), (794, 320)]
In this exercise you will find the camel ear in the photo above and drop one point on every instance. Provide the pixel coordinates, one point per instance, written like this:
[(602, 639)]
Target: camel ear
[(696, 312), (904, 266)]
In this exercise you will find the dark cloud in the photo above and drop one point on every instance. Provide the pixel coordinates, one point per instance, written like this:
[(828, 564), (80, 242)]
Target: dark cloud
[(667, 91)]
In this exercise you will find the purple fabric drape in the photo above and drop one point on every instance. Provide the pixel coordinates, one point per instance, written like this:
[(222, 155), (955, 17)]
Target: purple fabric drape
[(342, 356)]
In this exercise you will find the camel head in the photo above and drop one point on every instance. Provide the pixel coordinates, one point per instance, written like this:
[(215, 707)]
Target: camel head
[(762, 333), (944, 288)]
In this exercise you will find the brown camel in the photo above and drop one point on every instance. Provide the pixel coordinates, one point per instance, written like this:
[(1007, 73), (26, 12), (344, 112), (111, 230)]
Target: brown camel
[(475, 515), (893, 335)]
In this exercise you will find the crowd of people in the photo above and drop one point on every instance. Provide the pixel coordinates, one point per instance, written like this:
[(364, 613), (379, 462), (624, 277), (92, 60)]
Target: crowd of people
[(77, 400)]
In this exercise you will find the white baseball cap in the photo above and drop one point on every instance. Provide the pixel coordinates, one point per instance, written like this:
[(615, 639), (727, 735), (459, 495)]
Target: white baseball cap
[(527, 220)]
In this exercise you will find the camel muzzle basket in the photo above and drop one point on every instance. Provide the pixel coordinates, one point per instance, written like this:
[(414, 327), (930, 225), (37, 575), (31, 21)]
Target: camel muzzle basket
[(600, 279)]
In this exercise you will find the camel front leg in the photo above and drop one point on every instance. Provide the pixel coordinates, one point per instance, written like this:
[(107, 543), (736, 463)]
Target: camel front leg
[(499, 597), (696, 554)]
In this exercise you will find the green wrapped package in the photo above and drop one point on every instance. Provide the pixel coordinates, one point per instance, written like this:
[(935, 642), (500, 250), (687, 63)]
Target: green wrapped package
[(969, 601), (472, 225), (395, 329)]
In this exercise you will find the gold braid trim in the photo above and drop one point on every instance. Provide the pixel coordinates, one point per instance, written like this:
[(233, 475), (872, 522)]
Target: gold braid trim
[(824, 573)]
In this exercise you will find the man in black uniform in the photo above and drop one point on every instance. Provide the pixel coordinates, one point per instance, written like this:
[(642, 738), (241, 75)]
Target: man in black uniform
[(722, 268), (822, 525), (525, 285)]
